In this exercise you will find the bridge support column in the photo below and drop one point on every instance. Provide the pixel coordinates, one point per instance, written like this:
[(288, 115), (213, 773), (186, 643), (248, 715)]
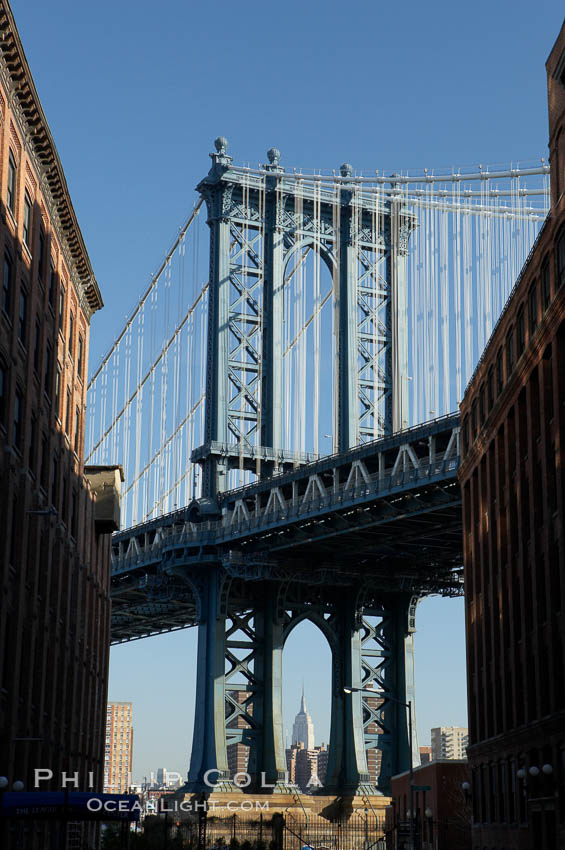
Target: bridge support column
[(218, 197), (209, 739), (273, 312), (395, 679), (348, 414), (347, 772), (396, 413), (267, 761)]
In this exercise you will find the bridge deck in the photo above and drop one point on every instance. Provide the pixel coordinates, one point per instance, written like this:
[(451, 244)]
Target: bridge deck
[(388, 511)]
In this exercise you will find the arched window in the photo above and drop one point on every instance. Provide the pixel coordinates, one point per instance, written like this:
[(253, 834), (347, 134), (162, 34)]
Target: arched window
[(560, 260), (545, 284), (510, 351), (533, 309), (499, 372), (12, 180)]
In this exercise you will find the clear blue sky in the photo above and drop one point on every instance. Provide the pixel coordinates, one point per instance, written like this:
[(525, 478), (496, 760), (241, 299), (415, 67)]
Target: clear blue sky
[(135, 93)]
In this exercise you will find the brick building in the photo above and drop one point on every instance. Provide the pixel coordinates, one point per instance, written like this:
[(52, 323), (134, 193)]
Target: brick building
[(54, 546), (238, 752), (442, 812), (118, 751), (513, 485)]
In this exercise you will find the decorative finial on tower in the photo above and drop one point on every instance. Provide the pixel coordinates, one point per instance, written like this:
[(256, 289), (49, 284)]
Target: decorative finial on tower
[(220, 160), (346, 170), (274, 156), (221, 145)]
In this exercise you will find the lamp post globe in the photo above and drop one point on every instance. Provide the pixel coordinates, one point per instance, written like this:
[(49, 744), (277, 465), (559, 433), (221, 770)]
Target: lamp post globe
[(534, 771), (428, 812), (18, 785), (3, 782), (547, 769)]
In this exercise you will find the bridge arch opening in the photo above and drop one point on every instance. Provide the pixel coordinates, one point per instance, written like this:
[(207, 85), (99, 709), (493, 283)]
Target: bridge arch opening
[(307, 699), (309, 353)]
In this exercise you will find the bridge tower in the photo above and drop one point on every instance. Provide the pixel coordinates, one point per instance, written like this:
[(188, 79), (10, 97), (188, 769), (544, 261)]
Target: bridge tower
[(260, 223)]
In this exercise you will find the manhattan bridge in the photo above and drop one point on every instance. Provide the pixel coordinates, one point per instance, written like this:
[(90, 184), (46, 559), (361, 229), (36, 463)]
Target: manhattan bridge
[(282, 400)]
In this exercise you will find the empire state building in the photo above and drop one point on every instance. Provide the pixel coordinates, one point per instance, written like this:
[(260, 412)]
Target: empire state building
[(303, 728)]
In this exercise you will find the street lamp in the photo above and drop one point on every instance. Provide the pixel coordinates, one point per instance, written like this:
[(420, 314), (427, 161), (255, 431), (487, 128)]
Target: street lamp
[(366, 692)]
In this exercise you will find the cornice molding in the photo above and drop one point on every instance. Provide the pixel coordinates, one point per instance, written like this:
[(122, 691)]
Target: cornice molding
[(24, 102)]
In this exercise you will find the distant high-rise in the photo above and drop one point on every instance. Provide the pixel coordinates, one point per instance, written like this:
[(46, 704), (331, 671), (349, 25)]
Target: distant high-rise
[(119, 748), (238, 753), (307, 768), (161, 778), (323, 758), (303, 728), (449, 742)]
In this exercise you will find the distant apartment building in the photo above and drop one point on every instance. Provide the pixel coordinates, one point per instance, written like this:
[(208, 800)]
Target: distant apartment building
[(449, 742), (372, 728), (119, 748), (323, 757), (237, 752)]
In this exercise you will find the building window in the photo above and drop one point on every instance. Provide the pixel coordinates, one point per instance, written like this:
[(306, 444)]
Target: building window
[(22, 319), (27, 221), (43, 474), (52, 283), (14, 534), (560, 260), (64, 500), (490, 389), (41, 255), (68, 413), (499, 372), (545, 285), (482, 411), (61, 308), (74, 513), (47, 376), (71, 332), (7, 286), (80, 355), (521, 331), (32, 441), (54, 481), (510, 352), (18, 420), (474, 420), (77, 430), (12, 173), (3, 392), (36, 346), (533, 309), (57, 391)]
